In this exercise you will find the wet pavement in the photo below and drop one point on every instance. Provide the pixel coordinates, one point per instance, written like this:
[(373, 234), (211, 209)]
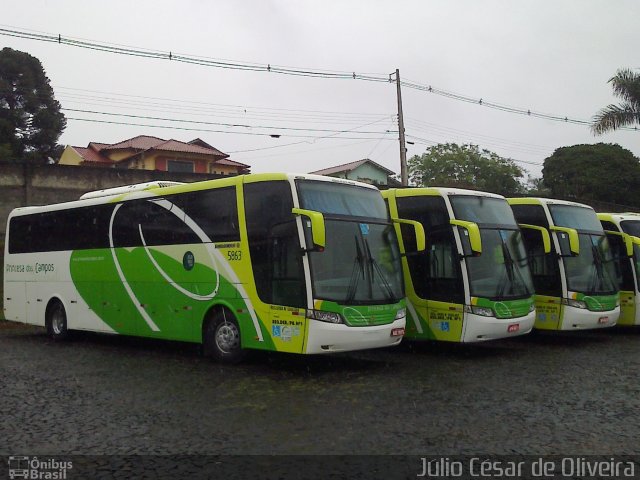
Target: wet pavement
[(576, 393)]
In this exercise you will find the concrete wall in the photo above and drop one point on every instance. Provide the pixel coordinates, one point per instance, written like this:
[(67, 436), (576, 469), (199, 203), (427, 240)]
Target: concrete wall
[(25, 185)]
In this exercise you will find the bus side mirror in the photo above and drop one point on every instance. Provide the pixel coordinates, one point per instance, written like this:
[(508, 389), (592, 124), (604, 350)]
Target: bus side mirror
[(544, 233), (570, 236), (626, 238), (473, 231), (421, 239), (316, 222)]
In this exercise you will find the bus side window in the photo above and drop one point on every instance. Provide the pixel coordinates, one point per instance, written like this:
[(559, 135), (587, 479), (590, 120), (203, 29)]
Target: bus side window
[(274, 247), (215, 211), (435, 273), (544, 267), (286, 264), (621, 263), (156, 224)]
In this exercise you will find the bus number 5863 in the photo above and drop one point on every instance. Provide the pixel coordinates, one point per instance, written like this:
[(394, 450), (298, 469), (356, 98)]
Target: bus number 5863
[(233, 255)]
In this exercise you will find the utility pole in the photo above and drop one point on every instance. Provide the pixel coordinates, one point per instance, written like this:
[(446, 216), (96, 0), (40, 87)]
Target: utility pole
[(404, 178)]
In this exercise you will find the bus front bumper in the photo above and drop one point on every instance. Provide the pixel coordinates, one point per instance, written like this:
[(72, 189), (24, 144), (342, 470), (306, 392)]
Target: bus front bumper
[(326, 337), (581, 319), (479, 328)]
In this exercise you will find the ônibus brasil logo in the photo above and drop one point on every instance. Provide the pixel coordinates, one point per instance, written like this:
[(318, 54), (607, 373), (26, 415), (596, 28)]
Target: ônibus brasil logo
[(38, 469)]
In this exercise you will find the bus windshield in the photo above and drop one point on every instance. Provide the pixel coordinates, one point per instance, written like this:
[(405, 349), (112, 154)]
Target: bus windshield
[(632, 227), (360, 263), (501, 271), (592, 271), (482, 210), (571, 216)]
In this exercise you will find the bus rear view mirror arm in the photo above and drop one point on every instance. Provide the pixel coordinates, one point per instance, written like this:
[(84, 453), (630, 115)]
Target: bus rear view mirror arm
[(318, 230), (475, 241), (574, 241), (421, 239), (544, 233), (626, 238)]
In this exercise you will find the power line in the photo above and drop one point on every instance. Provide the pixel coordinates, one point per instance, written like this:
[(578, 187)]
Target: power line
[(199, 106), (113, 122), (501, 107), (231, 125), (427, 126), (425, 141), (297, 152), (257, 67)]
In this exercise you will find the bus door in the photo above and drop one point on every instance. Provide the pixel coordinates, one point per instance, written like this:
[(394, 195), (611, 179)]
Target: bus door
[(445, 286), (434, 286), (624, 277), (276, 261)]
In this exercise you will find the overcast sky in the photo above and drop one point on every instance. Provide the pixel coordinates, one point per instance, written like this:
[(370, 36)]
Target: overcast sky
[(548, 56)]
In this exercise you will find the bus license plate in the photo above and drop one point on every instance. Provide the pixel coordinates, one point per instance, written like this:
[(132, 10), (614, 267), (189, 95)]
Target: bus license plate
[(514, 327), (602, 320), (396, 332)]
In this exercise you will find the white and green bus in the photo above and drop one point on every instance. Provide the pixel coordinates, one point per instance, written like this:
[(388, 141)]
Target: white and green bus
[(472, 282), (571, 264), (623, 232), (282, 262)]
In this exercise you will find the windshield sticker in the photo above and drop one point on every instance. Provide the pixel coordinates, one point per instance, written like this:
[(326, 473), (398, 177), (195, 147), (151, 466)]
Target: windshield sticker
[(364, 228)]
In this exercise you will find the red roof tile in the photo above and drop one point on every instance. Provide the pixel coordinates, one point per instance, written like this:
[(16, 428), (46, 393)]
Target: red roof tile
[(91, 156), (146, 142), (141, 142), (232, 163), (178, 146)]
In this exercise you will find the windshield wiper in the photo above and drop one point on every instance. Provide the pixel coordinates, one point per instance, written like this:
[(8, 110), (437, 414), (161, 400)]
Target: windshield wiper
[(378, 270), (511, 270), (599, 272), (357, 262)]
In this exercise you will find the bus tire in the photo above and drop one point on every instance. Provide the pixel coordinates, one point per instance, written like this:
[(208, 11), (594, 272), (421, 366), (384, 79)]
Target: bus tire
[(56, 321), (221, 338)]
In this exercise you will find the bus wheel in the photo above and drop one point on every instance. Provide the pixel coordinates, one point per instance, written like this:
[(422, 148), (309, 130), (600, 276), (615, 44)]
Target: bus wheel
[(221, 338), (56, 321)]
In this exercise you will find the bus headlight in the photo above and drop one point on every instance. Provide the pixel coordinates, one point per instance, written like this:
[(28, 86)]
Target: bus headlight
[(329, 317), (402, 313), (484, 311), (574, 303), (532, 307)]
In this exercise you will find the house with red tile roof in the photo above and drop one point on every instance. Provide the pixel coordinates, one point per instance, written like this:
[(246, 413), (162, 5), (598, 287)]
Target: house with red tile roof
[(145, 152)]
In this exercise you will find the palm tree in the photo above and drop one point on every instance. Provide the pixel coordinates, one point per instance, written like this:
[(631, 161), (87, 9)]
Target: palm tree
[(626, 85)]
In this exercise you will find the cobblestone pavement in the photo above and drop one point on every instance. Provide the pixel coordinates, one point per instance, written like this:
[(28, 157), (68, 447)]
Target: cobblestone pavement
[(540, 394)]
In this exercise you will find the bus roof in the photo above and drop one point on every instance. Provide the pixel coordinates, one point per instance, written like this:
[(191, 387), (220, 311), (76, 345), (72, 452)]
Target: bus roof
[(619, 217), (153, 189), (545, 201), (442, 191)]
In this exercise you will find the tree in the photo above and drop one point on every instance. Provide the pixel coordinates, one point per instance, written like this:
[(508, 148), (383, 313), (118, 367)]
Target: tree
[(626, 85), (465, 166), (30, 118), (602, 172), (535, 187)]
